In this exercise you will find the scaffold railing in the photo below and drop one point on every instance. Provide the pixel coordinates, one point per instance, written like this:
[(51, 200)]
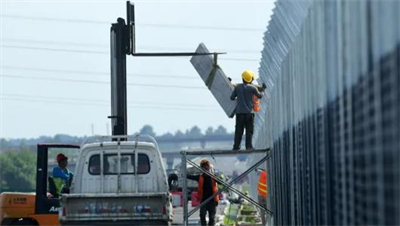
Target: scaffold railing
[(227, 186)]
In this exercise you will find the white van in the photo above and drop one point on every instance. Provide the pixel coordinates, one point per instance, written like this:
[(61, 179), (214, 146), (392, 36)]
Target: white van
[(118, 182)]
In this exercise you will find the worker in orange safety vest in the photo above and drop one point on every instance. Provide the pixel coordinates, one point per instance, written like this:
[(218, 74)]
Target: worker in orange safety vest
[(206, 188), (263, 194)]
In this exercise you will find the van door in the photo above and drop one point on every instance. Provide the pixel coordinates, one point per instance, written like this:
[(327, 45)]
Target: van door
[(93, 182), (129, 182), (143, 179), (91, 175)]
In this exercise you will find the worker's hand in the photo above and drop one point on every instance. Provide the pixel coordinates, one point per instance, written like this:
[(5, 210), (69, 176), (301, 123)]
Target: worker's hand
[(264, 87)]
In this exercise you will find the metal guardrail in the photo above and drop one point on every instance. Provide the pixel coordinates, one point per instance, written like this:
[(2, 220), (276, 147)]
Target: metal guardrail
[(331, 112)]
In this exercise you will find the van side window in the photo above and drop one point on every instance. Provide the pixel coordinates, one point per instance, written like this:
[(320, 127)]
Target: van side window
[(94, 165), (110, 162)]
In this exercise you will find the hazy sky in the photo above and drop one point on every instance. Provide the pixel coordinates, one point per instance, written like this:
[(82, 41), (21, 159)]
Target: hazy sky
[(55, 63)]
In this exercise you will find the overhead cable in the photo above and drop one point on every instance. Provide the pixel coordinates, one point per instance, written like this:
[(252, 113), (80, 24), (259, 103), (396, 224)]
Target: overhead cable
[(98, 82), (98, 52), (176, 26), (142, 75)]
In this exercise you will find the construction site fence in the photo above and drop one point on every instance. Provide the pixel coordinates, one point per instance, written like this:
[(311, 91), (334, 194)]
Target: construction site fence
[(331, 112)]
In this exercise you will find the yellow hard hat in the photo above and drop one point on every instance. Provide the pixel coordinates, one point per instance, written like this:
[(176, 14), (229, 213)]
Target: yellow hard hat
[(248, 76), (204, 162)]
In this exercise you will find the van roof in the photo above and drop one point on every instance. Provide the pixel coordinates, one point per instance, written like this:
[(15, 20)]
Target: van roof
[(122, 140), (123, 144)]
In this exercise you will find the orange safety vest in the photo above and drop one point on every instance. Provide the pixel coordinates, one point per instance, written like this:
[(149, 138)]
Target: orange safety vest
[(200, 189), (262, 184), (256, 103)]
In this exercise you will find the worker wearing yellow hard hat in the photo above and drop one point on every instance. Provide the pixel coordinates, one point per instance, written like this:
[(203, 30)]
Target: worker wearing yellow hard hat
[(248, 76), (247, 96)]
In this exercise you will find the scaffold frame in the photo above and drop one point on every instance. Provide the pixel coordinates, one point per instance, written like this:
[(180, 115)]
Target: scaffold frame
[(227, 186)]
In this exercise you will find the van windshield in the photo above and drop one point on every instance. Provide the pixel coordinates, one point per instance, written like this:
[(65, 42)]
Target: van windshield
[(110, 164)]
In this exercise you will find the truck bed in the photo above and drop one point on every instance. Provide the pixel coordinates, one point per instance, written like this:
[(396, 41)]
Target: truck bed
[(103, 209)]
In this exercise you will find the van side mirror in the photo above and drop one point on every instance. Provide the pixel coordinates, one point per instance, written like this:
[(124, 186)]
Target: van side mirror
[(173, 182)]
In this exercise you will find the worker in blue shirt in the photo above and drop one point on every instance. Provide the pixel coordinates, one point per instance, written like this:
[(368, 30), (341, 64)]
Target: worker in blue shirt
[(62, 177)]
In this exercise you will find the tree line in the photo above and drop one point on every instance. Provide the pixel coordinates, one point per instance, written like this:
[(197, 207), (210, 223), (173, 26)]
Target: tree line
[(194, 132), (17, 170), (18, 156)]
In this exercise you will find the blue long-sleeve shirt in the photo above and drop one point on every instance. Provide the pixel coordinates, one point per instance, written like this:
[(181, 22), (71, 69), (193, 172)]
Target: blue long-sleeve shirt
[(58, 172)]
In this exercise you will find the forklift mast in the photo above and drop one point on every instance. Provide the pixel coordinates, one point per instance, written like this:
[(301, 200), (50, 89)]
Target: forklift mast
[(118, 78), (122, 43)]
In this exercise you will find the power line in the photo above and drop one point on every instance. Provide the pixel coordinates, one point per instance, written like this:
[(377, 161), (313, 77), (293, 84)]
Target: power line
[(52, 42), (98, 82), (176, 26), (57, 49), (52, 19), (108, 101), (98, 52), (98, 72), (103, 104)]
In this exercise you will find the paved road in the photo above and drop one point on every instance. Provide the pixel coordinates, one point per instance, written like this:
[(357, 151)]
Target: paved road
[(194, 219)]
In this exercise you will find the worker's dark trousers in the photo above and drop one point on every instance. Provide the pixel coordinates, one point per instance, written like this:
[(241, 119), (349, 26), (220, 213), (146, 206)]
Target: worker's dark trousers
[(211, 208), (244, 121)]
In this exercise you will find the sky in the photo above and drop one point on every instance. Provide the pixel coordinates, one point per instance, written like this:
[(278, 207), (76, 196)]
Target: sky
[(55, 63)]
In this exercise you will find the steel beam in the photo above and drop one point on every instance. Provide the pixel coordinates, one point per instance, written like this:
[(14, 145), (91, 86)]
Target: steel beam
[(228, 152)]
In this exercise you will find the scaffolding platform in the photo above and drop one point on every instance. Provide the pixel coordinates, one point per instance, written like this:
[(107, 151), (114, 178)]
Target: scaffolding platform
[(227, 186)]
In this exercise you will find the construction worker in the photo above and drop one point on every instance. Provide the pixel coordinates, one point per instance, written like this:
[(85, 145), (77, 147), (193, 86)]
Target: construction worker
[(263, 194), (206, 188), (62, 177), (247, 96), (222, 177), (221, 186)]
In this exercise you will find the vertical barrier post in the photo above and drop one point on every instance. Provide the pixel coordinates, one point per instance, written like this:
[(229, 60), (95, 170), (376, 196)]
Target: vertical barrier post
[(184, 189)]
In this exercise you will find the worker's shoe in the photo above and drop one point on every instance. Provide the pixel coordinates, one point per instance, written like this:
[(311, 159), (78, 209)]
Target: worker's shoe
[(235, 149), (250, 149)]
